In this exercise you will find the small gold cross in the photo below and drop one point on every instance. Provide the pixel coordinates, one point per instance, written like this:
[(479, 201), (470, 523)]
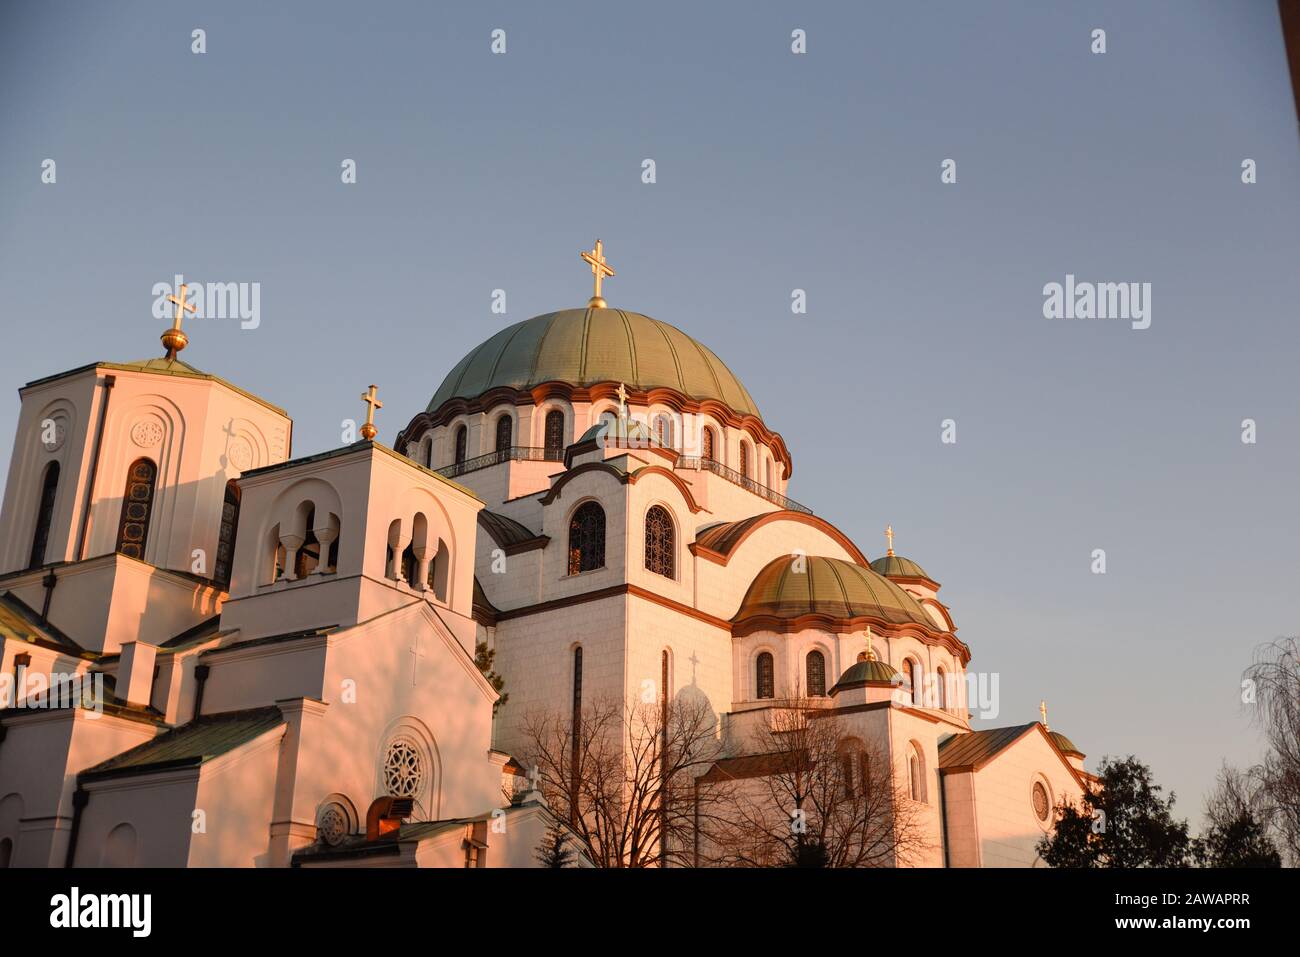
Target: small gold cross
[(368, 431), (1042, 710), (599, 270), (889, 538), (622, 401), (174, 340)]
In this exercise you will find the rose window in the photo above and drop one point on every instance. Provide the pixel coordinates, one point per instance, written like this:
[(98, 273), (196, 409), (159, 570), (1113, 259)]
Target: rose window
[(403, 770)]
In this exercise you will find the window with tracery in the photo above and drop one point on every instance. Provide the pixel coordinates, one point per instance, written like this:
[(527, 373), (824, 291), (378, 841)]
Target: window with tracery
[(554, 433), (664, 431), (765, 674), (744, 459), (226, 534), (1041, 803), (403, 770), (706, 444), (137, 506), (44, 516), (816, 674), (587, 538), (660, 552), (505, 433)]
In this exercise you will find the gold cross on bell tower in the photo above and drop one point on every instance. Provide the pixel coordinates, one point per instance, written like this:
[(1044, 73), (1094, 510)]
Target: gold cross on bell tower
[(599, 270), (173, 339), (889, 539), (368, 431)]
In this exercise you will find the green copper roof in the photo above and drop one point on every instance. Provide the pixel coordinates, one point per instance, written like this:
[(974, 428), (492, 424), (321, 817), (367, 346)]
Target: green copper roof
[(895, 566), (868, 670), (204, 738), (585, 346), (790, 588), (1064, 743)]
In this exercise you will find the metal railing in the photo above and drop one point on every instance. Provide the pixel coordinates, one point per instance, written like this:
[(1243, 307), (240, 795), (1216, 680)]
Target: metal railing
[(744, 481), (515, 453)]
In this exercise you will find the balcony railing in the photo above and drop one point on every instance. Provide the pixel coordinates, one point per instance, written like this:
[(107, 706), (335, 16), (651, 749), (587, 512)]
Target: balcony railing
[(744, 481), (515, 453)]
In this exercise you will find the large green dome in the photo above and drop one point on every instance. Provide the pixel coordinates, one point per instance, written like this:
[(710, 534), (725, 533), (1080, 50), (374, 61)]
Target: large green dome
[(788, 589), (586, 346)]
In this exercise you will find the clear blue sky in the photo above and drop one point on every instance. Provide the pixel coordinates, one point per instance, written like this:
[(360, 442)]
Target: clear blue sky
[(775, 171)]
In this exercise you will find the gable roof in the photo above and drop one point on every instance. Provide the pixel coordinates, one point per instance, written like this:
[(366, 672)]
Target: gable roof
[(190, 745), (970, 752)]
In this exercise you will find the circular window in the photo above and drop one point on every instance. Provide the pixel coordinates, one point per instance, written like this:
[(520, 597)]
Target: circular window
[(403, 770), (333, 824), (1042, 804)]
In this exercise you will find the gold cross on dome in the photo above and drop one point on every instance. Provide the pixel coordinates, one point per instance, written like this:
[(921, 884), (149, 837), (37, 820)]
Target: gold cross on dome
[(174, 340), (599, 270), (368, 431), (889, 538)]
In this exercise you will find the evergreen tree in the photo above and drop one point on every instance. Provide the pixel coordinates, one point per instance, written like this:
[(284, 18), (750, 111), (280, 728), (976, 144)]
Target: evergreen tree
[(1120, 822), (554, 851)]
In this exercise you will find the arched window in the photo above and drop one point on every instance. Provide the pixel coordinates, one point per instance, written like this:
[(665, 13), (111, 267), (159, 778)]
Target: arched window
[(664, 430), (554, 434), (918, 682), (462, 443), (816, 667), (44, 515), (587, 538), (767, 472), (428, 452), (765, 675), (119, 847), (660, 550), (706, 444), (941, 689), (226, 534), (6, 852), (505, 433), (744, 459), (137, 505), (915, 773)]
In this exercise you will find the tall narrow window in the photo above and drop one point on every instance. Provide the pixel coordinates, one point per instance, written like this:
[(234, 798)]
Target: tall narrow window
[(767, 472), (816, 674), (554, 434), (575, 757), (226, 534), (309, 554), (664, 431), (744, 459), (706, 444), (587, 538), (462, 442), (915, 773), (44, 515), (660, 550), (941, 691), (765, 673), (504, 433), (918, 691), (137, 506)]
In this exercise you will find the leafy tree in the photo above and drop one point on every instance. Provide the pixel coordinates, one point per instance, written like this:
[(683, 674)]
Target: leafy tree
[(1121, 821), (554, 851), (1238, 834), (484, 657)]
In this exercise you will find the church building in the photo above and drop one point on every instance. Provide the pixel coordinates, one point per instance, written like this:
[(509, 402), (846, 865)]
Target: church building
[(215, 654)]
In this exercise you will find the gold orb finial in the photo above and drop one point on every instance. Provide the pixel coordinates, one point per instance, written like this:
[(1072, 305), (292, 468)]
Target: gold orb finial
[(599, 270), (368, 431), (174, 340)]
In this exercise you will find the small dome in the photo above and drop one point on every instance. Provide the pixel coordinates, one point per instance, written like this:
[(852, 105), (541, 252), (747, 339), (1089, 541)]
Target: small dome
[(585, 346), (869, 669), (830, 587), (1064, 743), (895, 566)]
